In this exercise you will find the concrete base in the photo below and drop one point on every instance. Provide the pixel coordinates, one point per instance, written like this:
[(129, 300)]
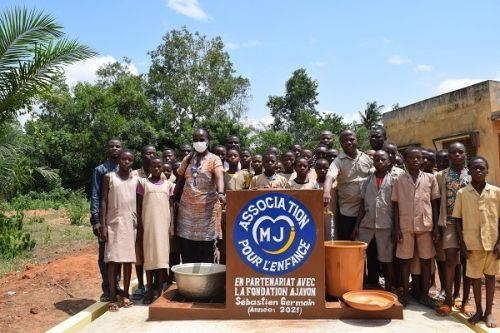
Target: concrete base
[(168, 307), (417, 319)]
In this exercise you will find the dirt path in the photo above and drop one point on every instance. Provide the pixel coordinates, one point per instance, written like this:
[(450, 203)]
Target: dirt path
[(47, 294)]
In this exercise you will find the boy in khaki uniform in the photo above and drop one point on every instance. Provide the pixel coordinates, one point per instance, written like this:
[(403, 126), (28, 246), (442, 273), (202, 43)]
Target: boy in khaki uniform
[(477, 210), (268, 179), (415, 195), (375, 218)]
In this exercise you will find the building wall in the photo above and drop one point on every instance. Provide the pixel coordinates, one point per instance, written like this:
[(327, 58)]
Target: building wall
[(461, 111)]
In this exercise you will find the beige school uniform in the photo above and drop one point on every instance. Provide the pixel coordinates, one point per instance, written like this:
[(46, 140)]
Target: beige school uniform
[(310, 185), (236, 181), (156, 219), (415, 214), (263, 181), (479, 214), (378, 220), (121, 219), (288, 176)]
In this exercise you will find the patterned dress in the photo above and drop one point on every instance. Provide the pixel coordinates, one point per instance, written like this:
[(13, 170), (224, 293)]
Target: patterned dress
[(197, 219)]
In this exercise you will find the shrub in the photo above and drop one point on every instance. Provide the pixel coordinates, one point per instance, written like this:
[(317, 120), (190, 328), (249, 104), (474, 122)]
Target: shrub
[(38, 200), (14, 240), (77, 207)]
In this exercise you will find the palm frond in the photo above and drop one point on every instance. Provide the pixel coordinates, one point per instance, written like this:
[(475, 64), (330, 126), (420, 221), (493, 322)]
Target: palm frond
[(36, 75), (20, 29)]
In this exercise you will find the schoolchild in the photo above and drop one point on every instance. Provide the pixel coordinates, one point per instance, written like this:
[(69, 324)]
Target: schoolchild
[(119, 225), (477, 210), (268, 179), (415, 196), (376, 214), (257, 164), (301, 180), (450, 181), (156, 219), (288, 160)]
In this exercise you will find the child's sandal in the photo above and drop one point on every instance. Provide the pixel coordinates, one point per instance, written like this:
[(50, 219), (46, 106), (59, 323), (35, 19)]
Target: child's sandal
[(127, 303), (444, 310), (113, 307), (467, 310)]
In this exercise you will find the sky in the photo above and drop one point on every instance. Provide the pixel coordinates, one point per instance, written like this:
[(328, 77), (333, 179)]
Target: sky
[(358, 51)]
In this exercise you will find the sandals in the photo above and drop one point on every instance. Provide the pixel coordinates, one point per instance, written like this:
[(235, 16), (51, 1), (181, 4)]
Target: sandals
[(139, 294), (430, 303), (113, 307), (444, 310), (467, 310), (457, 303), (104, 298), (127, 303)]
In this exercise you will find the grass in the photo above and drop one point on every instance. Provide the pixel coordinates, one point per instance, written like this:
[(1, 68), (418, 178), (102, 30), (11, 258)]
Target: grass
[(53, 239)]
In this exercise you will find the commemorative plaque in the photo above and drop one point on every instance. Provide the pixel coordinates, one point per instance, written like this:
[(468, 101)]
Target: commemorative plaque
[(275, 264), (275, 257)]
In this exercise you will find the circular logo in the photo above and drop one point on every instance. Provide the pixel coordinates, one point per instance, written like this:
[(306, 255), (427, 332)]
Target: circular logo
[(274, 234)]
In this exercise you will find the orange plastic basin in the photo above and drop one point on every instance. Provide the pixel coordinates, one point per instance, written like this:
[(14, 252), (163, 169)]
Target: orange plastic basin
[(370, 300)]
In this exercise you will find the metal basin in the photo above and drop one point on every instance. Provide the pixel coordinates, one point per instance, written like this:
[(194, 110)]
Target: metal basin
[(200, 280)]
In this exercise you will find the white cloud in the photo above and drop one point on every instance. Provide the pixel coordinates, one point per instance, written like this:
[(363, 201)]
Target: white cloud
[(320, 63), (258, 123), (424, 68), (86, 70), (190, 8), (397, 60), (454, 84), (248, 44)]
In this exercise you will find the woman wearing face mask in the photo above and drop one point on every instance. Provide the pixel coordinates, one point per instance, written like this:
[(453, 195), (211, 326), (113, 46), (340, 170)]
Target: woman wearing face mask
[(204, 186)]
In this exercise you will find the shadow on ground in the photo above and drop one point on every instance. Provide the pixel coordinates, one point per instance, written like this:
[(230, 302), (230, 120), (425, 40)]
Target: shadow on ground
[(73, 306)]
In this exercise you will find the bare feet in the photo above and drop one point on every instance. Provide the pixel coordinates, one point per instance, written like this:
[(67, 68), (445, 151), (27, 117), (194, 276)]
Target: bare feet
[(489, 321), (477, 317)]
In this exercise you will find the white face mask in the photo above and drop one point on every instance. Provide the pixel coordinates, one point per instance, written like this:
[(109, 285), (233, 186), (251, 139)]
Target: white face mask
[(200, 146)]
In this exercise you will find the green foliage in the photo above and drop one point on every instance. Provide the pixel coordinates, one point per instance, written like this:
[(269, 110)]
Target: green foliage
[(363, 136), (14, 240), (33, 50), (298, 102), (372, 115), (38, 200), (77, 207), (191, 81), (295, 115), (36, 219), (271, 138)]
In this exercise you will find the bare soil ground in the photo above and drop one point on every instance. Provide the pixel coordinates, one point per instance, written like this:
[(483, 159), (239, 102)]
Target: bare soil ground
[(59, 279)]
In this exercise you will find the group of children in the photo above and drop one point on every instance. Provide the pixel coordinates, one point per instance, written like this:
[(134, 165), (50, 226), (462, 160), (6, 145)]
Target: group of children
[(438, 210), (430, 209)]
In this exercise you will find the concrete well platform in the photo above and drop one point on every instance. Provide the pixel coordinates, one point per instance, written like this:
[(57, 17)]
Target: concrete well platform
[(417, 319)]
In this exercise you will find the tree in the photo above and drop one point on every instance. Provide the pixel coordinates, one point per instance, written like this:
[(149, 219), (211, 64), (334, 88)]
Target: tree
[(191, 80), (300, 98), (295, 114), (71, 130), (33, 50), (372, 115)]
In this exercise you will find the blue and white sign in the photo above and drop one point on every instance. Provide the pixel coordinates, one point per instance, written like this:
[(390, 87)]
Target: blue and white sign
[(274, 234)]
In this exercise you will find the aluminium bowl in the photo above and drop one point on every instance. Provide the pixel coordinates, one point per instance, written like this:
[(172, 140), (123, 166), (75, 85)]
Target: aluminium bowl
[(200, 280)]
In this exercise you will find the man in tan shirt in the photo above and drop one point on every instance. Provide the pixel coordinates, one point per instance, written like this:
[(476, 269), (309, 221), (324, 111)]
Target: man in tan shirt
[(350, 170)]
